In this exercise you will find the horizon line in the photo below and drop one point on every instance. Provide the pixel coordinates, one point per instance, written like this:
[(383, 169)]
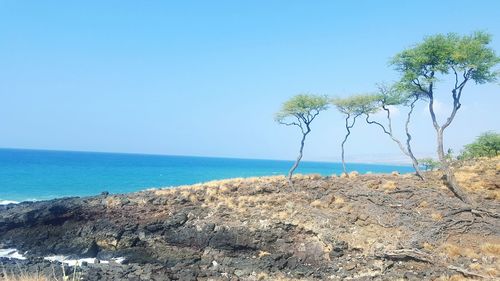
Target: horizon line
[(204, 156)]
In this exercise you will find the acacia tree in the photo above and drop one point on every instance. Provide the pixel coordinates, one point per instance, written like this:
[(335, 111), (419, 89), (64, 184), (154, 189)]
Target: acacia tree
[(300, 111), (466, 58), (353, 107), (393, 96)]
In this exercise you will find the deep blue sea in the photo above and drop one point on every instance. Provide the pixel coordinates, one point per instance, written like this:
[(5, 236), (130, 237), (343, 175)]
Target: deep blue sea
[(43, 174)]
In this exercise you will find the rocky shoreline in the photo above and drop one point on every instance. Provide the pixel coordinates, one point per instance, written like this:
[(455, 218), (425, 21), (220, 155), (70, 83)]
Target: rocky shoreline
[(370, 227)]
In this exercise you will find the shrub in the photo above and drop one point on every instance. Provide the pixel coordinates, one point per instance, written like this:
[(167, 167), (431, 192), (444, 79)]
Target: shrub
[(486, 145)]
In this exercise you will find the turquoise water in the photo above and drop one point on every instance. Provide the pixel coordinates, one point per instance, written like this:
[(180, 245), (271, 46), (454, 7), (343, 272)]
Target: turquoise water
[(41, 174)]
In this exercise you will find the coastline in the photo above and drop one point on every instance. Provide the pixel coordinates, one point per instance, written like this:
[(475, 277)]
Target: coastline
[(249, 227), (41, 175)]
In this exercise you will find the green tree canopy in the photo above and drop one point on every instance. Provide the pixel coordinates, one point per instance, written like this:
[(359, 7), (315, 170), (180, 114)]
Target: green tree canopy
[(303, 108), (467, 57), (398, 94), (486, 145), (357, 104)]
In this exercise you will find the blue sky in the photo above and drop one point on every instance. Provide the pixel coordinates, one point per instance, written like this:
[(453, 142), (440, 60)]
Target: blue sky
[(206, 77)]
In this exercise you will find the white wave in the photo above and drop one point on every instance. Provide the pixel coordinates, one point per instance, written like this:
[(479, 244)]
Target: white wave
[(7, 202), (11, 254), (73, 262), (14, 254)]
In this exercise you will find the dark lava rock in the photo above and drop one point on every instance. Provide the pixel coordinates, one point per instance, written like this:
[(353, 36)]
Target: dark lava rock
[(338, 249)]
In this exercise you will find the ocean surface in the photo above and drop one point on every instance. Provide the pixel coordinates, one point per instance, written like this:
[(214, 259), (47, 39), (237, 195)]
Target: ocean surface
[(42, 174)]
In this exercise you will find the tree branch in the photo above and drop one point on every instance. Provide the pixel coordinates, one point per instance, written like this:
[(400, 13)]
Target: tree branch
[(389, 133), (377, 123), (288, 123)]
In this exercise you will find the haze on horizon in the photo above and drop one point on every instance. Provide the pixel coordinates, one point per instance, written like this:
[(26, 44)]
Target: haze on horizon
[(205, 78)]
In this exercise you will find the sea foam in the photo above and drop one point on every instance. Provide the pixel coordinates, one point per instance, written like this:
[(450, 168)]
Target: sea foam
[(73, 262), (11, 254), (7, 202)]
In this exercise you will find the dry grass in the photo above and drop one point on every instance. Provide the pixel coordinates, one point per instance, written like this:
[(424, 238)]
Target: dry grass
[(113, 202), (262, 276), (339, 200), (472, 181), (389, 185), (490, 249), (493, 272), (428, 247), (24, 277), (324, 202), (185, 193), (437, 216), (454, 251), (263, 254), (375, 184), (475, 266), (481, 177), (451, 250), (423, 204), (353, 174), (455, 277), (164, 192)]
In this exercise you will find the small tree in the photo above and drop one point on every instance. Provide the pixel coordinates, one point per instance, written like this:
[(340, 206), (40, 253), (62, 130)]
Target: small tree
[(429, 164), (353, 107), (300, 111), (486, 145), (394, 96), (466, 58)]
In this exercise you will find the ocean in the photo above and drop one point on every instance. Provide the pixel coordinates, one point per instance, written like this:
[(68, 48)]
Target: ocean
[(27, 175)]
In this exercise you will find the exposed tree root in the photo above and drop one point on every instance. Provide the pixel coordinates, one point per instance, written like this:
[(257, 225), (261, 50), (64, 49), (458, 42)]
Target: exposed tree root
[(466, 272), (404, 254)]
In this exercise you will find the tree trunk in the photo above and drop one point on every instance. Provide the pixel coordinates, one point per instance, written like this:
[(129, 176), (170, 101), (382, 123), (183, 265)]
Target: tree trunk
[(408, 142), (348, 128), (449, 176), (343, 153), (406, 151), (415, 165), (296, 164)]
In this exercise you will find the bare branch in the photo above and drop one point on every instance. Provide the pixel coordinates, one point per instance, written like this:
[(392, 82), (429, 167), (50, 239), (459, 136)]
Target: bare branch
[(377, 123), (288, 123)]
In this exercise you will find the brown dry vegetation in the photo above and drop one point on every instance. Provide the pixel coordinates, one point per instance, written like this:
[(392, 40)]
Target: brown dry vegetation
[(23, 277), (31, 277), (480, 177)]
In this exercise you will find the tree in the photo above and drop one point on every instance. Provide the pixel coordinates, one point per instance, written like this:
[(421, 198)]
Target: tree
[(466, 58), (429, 164), (353, 107), (486, 145), (300, 111), (395, 96)]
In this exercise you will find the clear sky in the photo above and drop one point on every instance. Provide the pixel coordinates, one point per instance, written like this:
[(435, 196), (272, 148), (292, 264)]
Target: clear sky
[(206, 77)]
